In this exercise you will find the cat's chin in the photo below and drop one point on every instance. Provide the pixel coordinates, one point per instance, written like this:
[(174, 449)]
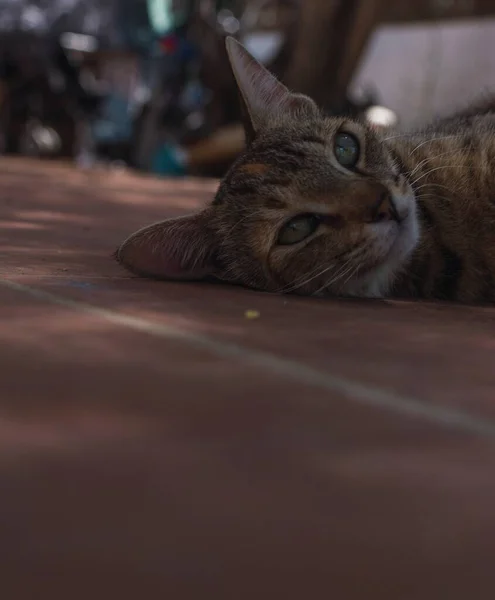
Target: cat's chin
[(377, 280)]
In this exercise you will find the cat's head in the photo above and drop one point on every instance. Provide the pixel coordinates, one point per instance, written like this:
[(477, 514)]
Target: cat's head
[(315, 205)]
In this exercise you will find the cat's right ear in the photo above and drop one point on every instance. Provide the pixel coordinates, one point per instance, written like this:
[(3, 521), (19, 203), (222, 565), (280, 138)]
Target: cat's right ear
[(182, 248), (263, 96)]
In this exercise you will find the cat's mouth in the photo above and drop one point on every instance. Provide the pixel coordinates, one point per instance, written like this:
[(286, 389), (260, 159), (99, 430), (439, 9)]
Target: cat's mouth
[(391, 246)]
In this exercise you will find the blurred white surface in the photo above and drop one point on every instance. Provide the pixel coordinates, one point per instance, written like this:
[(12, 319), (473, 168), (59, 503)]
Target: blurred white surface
[(425, 70)]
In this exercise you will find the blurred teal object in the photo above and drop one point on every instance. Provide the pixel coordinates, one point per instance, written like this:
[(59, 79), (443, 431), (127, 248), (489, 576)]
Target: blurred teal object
[(169, 160), (115, 124), (161, 16), (165, 17)]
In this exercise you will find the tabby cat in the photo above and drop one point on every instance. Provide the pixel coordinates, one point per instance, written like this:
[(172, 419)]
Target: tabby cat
[(321, 205)]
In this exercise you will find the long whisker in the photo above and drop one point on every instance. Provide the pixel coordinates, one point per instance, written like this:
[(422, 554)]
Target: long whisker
[(355, 270), (439, 185), (297, 281), (307, 280), (400, 135), (346, 268), (337, 257), (430, 140), (335, 275), (445, 167), (424, 161), (342, 273), (301, 278)]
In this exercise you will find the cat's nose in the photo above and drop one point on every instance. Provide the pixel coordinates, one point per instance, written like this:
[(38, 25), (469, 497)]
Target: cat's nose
[(384, 209)]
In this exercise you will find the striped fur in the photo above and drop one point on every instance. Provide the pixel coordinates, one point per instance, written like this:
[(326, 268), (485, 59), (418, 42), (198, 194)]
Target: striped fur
[(441, 180), (451, 167)]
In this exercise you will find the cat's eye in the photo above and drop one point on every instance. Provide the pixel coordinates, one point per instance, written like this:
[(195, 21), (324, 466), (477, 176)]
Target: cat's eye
[(298, 229), (346, 148)]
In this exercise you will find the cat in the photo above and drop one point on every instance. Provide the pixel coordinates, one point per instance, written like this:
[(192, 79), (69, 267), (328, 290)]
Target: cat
[(329, 206)]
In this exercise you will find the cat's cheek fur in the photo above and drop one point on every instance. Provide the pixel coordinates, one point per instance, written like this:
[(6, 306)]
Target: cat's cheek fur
[(378, 282)]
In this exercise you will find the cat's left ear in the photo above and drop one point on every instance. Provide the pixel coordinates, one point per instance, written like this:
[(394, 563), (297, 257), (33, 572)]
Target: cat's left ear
[(263, 95), (182, 248)]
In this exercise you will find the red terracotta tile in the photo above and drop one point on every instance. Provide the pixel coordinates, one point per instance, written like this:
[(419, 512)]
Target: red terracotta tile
[(136, 464)]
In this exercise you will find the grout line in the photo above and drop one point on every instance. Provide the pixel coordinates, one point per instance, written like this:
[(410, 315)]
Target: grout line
[(290, 369)]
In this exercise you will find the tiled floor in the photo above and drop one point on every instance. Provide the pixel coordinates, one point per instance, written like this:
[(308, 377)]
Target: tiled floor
[(154, 443)]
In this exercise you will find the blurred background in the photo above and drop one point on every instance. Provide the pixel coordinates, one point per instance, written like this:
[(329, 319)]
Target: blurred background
[(145, 84)]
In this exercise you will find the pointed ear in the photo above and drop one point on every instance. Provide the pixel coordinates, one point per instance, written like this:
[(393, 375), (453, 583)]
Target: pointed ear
[(181, 248), (262, 95)]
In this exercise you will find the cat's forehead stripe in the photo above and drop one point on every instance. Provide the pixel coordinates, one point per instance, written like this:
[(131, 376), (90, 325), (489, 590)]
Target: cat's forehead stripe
[(255, 168)]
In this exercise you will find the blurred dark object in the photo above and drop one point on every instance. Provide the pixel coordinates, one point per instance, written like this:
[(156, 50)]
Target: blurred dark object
[(273, 31), (45, 101), (174, 112), (434, 10), (314, 47), (69, 74), (147, 82)]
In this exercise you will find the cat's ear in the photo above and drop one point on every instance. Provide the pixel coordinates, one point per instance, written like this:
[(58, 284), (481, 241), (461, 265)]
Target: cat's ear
[(263, 96), (181, 248)]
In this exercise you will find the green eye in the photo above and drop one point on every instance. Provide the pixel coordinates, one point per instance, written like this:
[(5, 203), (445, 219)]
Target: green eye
[(298, 229), (346, 148)]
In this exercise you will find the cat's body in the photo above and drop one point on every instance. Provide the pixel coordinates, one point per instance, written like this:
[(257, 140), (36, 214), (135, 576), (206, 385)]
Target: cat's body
[(326, 206), (452, 170)]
